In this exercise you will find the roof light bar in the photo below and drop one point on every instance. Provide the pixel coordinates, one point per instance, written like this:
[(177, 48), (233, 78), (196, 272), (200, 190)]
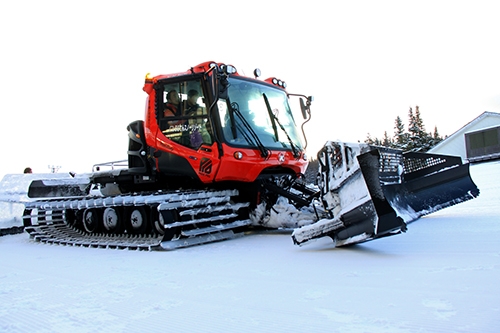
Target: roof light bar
[(277, 82)]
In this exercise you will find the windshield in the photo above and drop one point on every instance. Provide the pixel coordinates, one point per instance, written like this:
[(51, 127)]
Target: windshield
[(257, 112)]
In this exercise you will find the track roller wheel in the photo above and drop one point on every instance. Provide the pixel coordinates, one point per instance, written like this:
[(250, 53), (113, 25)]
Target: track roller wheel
[(70, 216), (111, 220), (158, 221), (90, 220), (168, 217), (137, 220)]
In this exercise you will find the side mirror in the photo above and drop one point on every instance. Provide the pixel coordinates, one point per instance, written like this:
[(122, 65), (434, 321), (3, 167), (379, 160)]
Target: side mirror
[(223, 84), (303, 108), (221, 81), (306, 107)]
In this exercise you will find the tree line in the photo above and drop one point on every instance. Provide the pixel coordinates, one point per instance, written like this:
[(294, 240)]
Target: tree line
[(412, 138)]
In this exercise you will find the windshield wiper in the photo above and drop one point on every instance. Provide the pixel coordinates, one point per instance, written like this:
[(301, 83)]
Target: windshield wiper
[(254, 138), (272, 117), (274, 120), (295, 150)]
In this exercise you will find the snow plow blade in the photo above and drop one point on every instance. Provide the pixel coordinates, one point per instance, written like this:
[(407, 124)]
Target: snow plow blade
[(372, 192), (23, 187), (60, 187)]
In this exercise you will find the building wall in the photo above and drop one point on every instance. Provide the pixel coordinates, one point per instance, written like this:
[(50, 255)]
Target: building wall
[(455, 143), (483, 144), (452, 146)]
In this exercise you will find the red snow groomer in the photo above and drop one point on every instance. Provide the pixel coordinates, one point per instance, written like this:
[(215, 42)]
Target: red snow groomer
[(218, 154)]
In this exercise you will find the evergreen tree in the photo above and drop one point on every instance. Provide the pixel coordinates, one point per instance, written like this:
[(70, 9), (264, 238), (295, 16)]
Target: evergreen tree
[(386, 141), (418, 121), (435, 135), (412, 131), (369, 140), (372, 141), (419, 138), (436, 138), (400, 137), (424, 138)]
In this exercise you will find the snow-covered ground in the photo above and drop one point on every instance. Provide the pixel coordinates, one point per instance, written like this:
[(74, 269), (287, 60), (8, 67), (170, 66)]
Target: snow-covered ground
[(443, 275)]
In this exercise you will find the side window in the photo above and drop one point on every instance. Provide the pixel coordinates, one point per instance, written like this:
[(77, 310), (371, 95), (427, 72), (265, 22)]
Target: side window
[(184, 118)]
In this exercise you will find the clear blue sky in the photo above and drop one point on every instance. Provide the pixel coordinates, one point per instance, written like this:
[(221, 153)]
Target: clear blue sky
[(72, 72)]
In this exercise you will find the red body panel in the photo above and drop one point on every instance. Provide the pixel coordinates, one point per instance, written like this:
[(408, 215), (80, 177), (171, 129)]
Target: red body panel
[(225, 168), (252, 164)]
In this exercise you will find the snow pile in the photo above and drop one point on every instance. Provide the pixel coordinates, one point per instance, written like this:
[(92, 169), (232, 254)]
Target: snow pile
[(10, 215), (14, 188), (283, 215)]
